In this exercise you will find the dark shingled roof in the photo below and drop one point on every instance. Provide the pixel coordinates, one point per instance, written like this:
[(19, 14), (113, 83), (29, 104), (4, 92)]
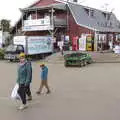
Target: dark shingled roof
[(96, 22)]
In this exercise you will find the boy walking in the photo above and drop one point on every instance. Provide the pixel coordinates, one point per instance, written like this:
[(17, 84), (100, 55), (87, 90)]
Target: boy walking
[(44, 79)]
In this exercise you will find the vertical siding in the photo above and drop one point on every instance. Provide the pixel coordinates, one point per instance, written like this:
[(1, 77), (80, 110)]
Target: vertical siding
[(77, 30)]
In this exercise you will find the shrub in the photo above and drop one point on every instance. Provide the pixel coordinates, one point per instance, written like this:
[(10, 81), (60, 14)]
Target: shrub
[(1, 53)]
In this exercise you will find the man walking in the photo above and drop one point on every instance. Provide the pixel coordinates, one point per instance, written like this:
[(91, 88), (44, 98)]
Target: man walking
[(24, 79), (44, 79)]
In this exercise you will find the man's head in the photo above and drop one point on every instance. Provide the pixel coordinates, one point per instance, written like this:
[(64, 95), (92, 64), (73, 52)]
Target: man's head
[(22, 57)]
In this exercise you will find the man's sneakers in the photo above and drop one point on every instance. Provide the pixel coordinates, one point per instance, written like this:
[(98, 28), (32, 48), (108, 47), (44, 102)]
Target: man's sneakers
[(22, 107), (29, 98)]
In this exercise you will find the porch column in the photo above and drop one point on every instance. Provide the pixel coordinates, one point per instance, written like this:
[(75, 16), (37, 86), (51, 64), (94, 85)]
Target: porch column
[(22, 21), (52, 18), (36, 14), (95, 41), (114, 38), (52, 22)]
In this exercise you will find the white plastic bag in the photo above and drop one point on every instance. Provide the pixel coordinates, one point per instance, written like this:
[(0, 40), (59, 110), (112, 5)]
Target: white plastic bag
[(14, 94)]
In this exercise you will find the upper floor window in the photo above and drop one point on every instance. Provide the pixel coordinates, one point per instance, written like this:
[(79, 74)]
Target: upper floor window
[(92, 13), (106, 15), (89, 12)]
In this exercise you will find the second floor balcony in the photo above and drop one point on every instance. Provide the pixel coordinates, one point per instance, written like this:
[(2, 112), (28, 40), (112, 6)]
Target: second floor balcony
[(43, 24)]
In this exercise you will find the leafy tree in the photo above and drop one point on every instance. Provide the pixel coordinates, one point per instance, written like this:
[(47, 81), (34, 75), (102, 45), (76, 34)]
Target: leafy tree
[(5, 25)]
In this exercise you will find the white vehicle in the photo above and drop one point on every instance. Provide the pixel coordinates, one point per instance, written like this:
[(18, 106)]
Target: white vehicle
[(35, 44), (32, 45)]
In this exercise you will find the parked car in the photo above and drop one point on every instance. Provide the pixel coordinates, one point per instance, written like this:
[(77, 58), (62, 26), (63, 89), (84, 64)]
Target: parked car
[(12, 52), (77, 59)]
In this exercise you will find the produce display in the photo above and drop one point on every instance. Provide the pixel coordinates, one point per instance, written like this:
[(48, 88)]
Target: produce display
[(77, 59)]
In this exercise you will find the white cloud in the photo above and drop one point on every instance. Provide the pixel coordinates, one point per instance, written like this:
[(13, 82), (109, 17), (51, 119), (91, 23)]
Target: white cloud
[(9, 9)]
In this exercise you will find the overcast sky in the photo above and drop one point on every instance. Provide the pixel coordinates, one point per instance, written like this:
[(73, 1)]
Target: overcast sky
[(9, 9)]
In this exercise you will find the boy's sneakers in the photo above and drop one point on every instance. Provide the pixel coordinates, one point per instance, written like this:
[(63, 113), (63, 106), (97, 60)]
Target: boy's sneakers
[(48, 92), (22, 107), (38, 92)]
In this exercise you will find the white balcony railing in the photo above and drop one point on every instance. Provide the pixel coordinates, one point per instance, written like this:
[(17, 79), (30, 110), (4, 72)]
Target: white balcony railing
[(42, 24)]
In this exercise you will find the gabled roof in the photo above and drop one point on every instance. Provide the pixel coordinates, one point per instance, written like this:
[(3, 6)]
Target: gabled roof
[(81, 17), (96, 22), (60, 6)]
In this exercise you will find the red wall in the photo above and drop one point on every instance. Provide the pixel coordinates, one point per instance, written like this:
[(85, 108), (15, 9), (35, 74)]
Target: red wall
[(37, 33), (75, 29)]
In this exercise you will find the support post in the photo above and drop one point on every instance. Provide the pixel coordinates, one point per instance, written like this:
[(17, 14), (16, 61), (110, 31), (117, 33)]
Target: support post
[(36, 14), (22, 21), (95, 41), (67, 15), (52, 20)]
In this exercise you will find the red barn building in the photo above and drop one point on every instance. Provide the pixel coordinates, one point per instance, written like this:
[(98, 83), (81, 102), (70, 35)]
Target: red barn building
[(87, 28)]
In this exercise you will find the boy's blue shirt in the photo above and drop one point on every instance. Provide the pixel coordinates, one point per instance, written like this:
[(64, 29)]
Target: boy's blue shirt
[(44, 73)]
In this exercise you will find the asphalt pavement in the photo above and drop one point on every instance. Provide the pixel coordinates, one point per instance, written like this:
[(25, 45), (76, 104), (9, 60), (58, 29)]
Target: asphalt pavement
[(87, 93)]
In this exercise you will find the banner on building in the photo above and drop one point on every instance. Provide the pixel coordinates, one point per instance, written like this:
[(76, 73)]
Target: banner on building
[(36, 28), (89, 42), (39, 24), (75, 43), (82, 43), (67, 38)]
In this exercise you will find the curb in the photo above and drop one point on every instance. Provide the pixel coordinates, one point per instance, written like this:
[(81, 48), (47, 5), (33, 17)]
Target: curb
[(106, 62)]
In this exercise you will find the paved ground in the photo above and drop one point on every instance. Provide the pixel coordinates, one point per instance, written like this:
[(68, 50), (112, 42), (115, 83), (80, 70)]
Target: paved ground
[(88, 93)]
